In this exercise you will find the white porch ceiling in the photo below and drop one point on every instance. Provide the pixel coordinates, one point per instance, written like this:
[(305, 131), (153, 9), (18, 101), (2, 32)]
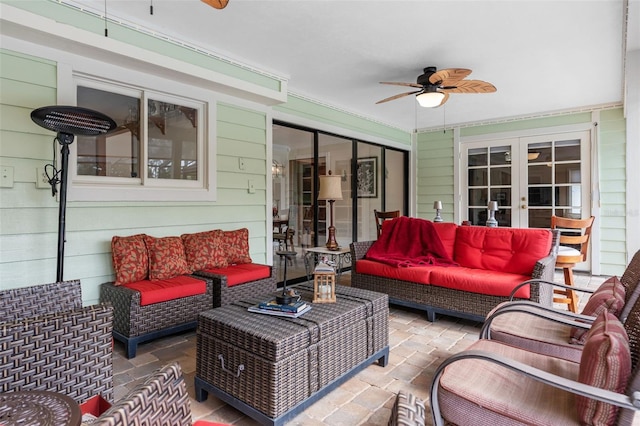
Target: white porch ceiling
[(543, 56)]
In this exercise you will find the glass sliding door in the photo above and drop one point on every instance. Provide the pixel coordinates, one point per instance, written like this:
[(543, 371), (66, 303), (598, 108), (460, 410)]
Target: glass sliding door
[(368, 190)]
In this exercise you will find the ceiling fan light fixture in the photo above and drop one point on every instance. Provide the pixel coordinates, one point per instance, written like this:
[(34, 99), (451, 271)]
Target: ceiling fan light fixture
[(430, 99)]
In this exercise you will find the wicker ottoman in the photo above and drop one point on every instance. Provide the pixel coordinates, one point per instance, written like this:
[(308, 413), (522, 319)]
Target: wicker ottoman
[(272, 368)]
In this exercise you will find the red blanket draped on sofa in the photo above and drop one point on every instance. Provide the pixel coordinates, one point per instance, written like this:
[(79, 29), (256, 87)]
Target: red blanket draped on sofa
[(409, 241)]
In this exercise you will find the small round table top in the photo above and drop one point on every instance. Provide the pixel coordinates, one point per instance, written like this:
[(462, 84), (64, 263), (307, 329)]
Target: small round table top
[(38, 407), (286, 253)]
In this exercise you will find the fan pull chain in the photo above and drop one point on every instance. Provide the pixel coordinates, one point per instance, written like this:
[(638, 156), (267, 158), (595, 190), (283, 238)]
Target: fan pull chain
[(444, 119), (106, 31), (151, 8)]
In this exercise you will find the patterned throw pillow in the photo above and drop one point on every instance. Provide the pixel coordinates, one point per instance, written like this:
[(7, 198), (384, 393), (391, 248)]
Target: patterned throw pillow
[(130, 259), (605, 363), (236, 244), (166, 258), (608, 297), (205, 250)]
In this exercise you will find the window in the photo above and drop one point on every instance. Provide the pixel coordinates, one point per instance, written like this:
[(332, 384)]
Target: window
[(158, 150)]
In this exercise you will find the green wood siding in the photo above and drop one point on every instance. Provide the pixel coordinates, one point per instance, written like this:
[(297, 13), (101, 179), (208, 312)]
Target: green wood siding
[(435, 174), (29, 216), (612, 147)]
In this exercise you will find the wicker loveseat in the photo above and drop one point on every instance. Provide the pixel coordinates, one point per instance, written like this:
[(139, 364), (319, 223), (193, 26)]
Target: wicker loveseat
[(489, 263), (162, 284), (50, 342)]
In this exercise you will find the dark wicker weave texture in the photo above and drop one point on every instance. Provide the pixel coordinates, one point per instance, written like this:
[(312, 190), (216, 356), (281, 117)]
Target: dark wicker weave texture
[(285, 360), (134, 321), (59, 347), (434, 299), (408, 410), (631, 276), (224, 295), (161, 399)]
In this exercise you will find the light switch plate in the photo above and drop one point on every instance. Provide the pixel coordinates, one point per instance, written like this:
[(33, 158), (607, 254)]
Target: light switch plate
[(6, 176)]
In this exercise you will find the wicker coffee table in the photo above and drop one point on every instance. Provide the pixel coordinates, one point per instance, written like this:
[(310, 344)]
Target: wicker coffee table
[(272, 368)]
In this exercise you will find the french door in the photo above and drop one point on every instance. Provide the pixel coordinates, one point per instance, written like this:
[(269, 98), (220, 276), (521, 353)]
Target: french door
[(531, 178)]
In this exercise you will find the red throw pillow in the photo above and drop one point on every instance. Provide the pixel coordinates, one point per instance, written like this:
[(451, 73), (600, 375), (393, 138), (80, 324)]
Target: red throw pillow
[(166, 258), (130, 259), (205, 250), (605, 363), (608, 297), (236, 244)]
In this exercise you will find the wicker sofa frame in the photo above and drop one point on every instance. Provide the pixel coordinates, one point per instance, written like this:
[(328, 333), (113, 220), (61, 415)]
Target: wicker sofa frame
[(50, 342), (441, 300), (134, 324), (224, 295)]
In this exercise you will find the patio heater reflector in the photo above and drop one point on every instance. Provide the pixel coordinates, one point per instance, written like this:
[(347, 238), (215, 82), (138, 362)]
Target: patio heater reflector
[(67, 122)]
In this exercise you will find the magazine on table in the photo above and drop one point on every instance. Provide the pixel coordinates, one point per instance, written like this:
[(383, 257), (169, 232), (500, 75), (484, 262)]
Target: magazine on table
[(256, 309), (273, 305)]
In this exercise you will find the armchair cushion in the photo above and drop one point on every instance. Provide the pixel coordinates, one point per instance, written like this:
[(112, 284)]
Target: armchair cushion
[(130, 258), (236, 245), (205, 250), (608, 297), (605, 363), (243, 273), (163, 290), (166, 257)]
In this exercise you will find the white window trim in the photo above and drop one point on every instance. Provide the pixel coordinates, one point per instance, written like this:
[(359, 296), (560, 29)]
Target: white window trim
[(82, 189)]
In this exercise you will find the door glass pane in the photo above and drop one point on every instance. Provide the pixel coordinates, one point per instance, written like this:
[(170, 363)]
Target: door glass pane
[(568, 150), (568, 173), (539, 218), (501, 176), (478, 197), (173, 141), (478, 177), (489, 181), (539, 174), (540, 196), (337, 151), (478, 157)]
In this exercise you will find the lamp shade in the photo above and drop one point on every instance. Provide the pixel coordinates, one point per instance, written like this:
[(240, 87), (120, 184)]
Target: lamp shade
[(493, 206), (330, 188), (437, 205), (430, 99)]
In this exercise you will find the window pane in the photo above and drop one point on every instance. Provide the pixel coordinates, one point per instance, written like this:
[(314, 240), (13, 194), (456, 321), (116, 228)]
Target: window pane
[(173, 141), (478, 157), (500, 155), (568, 150), (540, 196), (569, 196), (501, 176), (478, 197), (117, 153), (478, 177), (568, 173), (539, 174), (539, 218)]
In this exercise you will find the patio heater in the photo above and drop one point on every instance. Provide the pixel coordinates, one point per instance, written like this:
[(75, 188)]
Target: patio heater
[(67, 122)]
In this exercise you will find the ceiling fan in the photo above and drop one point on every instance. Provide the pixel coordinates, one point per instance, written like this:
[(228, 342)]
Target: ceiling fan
[(435, 86), (218, 4)]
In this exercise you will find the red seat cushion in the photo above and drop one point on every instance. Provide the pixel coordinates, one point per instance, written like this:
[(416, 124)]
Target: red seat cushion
[(501, 249), (481, 281), (157, 291), (242, 273), (416, 274)]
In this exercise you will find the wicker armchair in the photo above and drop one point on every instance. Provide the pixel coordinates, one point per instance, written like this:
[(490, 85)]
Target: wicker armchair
[(160, 400), (408, 410), (134, 324), (224, 295), (50, 342)]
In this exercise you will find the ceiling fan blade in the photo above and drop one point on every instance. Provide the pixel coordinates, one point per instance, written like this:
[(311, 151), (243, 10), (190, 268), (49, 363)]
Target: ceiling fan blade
[(218, 4), (471, 86), (419, 86), (449, 76), (398, 96), (445, 99)]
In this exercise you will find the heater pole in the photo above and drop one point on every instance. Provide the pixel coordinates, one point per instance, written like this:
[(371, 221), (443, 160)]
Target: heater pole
[(65, 140)]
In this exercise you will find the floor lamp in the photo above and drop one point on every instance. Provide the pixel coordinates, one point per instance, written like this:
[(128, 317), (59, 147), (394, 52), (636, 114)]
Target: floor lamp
[(330, 190), (68, 121)]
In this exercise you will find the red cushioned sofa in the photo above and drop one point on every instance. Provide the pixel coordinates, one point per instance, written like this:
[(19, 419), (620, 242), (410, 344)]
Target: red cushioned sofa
[(487, 264), (162, 284)]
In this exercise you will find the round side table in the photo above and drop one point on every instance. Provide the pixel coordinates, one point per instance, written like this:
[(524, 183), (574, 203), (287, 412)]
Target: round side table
[(38, 408)]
